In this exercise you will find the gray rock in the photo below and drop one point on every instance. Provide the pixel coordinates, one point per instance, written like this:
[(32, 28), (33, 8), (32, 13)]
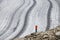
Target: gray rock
[(52, 34)]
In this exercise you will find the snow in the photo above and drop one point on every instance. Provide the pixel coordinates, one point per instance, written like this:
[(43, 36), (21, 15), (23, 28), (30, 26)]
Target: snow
[(18, 17)]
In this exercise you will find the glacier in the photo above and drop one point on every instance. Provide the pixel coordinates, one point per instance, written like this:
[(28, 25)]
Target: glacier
[(18, 17)]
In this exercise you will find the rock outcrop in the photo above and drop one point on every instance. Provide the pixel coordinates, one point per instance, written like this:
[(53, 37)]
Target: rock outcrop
[(52, 34)]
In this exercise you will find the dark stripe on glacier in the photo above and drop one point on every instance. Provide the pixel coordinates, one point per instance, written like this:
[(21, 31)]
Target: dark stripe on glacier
[(25, 22), (1, 1), (49, 16), (11, 20), (58, 1)]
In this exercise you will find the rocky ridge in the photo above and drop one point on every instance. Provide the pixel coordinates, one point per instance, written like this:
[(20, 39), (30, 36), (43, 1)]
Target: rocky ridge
[(52, 34)]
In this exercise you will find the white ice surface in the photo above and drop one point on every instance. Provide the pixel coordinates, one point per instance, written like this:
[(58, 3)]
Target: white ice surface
[(18, 17)]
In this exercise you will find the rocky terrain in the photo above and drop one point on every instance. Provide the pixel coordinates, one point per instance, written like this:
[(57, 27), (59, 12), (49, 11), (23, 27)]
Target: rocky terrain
[(52, 34)]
